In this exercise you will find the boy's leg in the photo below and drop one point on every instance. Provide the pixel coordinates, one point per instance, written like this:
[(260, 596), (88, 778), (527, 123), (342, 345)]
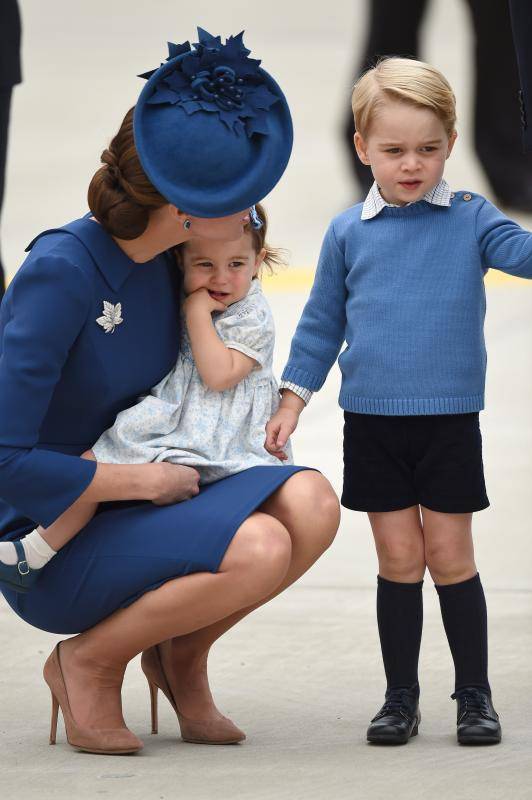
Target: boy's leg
[(399, 542), (450, 558), (401, 553)]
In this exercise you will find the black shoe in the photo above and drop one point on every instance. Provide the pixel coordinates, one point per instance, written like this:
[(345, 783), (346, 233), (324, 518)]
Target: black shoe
[(398, 719), (477, 722)]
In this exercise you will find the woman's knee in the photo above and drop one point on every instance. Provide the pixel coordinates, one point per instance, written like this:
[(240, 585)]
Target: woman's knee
[(308, 502), (260, 552)]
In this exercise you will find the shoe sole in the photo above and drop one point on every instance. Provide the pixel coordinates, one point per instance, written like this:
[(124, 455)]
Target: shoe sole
[(106, 752), (392, 740), (476, 740), (215, 744), (14, 587)]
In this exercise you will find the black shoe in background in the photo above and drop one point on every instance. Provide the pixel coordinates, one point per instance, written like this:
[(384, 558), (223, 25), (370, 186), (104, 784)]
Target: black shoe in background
[(398, 718), (477, 722)]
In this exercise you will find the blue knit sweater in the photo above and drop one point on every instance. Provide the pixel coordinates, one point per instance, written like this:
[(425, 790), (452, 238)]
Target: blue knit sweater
[(405, 292)]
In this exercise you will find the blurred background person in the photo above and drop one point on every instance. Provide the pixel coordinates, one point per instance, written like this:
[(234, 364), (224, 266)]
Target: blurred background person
[(521, 13), (394, 30), (10, 75)]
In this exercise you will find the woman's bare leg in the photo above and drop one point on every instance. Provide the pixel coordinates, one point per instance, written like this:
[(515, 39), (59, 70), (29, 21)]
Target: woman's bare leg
[(94, 662), (308, 508)]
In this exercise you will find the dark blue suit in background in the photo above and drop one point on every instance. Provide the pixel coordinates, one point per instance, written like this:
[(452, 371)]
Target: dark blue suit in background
[(63, 380), (521, 13)]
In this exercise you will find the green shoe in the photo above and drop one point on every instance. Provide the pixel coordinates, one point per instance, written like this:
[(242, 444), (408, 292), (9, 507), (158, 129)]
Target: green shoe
[(18, 577)]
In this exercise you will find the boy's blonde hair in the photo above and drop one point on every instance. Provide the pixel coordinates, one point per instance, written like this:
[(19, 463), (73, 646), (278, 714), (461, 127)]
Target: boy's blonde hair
[(407, 80)]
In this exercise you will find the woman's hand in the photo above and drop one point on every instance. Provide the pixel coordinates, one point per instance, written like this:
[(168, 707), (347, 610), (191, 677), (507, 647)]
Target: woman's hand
[(164, 483), (172, 483), (278, 430), (200, 301)]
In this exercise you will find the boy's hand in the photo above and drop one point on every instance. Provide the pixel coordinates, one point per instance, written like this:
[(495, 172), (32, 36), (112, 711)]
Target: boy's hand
[(278, 430), (201, 301)]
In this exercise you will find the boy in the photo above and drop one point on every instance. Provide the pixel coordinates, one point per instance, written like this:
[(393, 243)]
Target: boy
[(400, 280)]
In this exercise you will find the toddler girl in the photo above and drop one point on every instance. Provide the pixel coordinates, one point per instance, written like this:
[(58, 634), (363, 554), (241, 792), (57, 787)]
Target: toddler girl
[(209, 413), (401, 281)]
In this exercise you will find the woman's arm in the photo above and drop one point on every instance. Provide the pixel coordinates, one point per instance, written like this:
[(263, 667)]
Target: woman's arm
[(220, 367), (160, 483), (47, 306)]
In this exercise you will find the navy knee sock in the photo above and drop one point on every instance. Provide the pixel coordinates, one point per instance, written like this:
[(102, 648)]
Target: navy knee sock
[(400, 620), (465, 619)]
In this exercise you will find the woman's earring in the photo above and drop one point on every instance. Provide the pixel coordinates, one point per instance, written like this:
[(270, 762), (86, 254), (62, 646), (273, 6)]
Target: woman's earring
[(186, 224)]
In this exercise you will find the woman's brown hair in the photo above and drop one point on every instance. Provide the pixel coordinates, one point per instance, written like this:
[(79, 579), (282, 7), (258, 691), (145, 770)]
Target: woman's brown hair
[(120, 195)]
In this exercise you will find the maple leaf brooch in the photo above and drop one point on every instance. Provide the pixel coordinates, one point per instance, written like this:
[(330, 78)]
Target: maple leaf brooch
[(111, 316)]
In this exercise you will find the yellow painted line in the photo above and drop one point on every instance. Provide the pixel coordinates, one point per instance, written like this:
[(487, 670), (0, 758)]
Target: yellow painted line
[(495, 278), (300, 279), (289, 279)]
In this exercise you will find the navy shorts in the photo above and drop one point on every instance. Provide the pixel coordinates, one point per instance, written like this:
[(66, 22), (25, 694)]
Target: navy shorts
[(394, 462)]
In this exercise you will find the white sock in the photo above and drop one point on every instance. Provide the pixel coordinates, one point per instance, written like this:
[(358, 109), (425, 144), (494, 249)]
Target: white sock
[(37, 551)]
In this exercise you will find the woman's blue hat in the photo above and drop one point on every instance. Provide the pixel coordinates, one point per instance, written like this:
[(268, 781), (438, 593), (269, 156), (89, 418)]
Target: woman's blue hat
[(212, 129)]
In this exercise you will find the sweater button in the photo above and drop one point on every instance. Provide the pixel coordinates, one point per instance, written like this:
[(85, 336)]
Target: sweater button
[(467, 196)]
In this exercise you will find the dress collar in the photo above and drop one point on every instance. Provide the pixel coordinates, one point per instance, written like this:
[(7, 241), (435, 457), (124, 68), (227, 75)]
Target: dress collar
[(440, 195), (113, 263)]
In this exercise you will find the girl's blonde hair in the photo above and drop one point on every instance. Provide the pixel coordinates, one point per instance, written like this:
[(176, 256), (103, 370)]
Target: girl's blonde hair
[(275, 256), (408, 81)]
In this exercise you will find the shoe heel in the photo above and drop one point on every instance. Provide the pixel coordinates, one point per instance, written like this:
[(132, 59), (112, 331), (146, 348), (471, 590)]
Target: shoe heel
[(53, 724), (414, 731), (154, 710)]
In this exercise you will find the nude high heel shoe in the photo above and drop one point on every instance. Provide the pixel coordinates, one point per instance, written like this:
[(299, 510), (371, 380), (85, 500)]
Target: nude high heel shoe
[(219, 731), (110, 741)]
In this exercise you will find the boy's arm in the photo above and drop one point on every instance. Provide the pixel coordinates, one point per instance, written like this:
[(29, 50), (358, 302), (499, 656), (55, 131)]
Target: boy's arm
[(220, 367), (317, 341), (503, 244), (321, 330)]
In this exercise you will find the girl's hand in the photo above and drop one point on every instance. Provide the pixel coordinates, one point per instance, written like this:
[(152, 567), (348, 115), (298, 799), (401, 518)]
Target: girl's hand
[(201, 301), (172, 483), (278, 430)]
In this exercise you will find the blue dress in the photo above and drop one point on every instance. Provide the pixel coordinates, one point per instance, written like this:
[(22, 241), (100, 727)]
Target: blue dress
[(63, 379)]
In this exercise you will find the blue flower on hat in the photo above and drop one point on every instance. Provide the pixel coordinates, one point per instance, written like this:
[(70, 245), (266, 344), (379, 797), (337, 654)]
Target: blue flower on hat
[(217, 78)]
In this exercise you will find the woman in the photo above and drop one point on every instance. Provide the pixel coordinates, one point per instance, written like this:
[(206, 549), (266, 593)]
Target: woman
[(211, 133)]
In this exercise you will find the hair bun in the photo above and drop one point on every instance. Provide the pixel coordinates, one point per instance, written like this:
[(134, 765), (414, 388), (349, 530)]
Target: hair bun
[(120, 195)]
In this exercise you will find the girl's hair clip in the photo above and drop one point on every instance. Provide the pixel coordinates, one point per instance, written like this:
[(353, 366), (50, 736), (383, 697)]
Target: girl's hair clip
[(254, 219)]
